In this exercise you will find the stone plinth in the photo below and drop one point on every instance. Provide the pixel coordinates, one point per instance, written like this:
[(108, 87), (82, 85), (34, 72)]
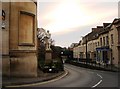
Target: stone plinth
[(23, 64), (48, 56)]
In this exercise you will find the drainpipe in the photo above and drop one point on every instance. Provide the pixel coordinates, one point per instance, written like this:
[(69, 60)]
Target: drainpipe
[(86, 52), (111, 57)]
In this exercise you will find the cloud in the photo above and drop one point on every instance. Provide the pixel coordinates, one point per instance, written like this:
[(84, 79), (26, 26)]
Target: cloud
[(68, 20), (65, 39)]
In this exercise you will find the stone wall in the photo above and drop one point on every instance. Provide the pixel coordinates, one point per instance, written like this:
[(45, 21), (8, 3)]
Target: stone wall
[(25, 64), (5, 40), (20, 43), (113, 46)]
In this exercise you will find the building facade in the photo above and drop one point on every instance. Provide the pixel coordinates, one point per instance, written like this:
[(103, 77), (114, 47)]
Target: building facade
[(19, 40), (114, 35), (103, 50), (101, 45)]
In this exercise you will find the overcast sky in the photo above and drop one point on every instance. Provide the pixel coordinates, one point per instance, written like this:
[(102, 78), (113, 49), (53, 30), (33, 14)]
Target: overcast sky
[(68, 20)]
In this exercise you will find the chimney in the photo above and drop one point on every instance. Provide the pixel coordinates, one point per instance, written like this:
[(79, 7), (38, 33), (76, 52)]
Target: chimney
[(94, 29), (99, 26), (106, 24)]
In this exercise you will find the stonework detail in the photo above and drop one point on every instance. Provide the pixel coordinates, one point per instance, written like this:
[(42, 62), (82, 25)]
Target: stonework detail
[(26, 28), (19, 46)]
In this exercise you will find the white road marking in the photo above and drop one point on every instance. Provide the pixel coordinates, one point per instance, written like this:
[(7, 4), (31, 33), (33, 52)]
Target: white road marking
[(34, 84), (100, 76), (98, 82)]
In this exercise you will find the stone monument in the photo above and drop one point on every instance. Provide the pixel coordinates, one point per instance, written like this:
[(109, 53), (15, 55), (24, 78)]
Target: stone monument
[(48, 54), (46, 38)]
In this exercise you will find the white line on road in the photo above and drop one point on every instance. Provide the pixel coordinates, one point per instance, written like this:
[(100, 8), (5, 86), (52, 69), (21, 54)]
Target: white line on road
[(98, 82), (99, 75)]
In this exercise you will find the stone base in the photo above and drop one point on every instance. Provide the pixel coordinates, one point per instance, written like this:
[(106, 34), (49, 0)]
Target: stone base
[(48, 56), (24, 67), (21, 64), (5, 66)]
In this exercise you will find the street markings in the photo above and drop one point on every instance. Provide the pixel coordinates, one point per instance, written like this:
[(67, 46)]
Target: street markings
[(99, 75), (98, 82), (40, 83)]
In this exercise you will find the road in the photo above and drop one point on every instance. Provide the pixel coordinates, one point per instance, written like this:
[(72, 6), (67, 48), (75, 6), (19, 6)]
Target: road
[(82, 77)]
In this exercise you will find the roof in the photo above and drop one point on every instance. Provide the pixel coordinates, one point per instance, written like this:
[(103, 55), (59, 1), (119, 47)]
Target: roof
[(94, 34), (99, 30), (106, 28), (73, 45), (116, 20)]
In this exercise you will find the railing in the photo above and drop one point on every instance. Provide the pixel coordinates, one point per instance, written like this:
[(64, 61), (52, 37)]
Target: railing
[(94, 65)]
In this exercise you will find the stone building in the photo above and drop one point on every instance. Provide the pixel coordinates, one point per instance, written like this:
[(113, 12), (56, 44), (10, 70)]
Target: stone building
[(114, 41), (108, 50), (102, 44), (19, 40), (103, 50), (91, 41)]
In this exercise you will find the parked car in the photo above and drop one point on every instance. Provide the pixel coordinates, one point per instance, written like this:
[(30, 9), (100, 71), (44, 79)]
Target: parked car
[(50, 68)]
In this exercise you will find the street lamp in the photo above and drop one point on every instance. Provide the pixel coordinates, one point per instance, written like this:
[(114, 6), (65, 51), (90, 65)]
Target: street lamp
[(86, 50), (111, 56), (62, 56)]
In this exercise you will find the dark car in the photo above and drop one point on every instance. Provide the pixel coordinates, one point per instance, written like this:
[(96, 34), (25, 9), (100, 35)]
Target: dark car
[(50, 67)]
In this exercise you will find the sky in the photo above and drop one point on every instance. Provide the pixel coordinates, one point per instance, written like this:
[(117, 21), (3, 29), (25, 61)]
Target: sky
[(69, 20)]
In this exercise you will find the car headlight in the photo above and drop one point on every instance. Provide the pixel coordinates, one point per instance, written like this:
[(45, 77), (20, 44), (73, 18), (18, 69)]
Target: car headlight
[(50, 69)]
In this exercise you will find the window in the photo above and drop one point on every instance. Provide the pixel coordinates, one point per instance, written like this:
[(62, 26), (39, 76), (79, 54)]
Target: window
[(98, 43), (103, 41), (118, 35), (112, 41), (107, 41), (81, 54)]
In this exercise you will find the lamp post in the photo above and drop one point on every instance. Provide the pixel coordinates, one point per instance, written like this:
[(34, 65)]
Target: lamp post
[(86, 51), (111, 57), (62, 57)]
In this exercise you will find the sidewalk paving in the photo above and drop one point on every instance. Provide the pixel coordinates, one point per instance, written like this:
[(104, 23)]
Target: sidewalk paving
[(20, 81), (95, 66)]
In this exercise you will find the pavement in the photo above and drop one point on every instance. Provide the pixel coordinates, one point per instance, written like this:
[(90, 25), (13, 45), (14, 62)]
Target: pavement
[(95, 66), (8, 81)]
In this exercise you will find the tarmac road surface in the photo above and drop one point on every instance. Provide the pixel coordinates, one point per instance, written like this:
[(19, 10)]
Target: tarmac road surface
[(82, 77)]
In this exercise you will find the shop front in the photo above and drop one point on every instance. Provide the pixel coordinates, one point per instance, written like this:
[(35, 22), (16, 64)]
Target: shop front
[(103, 55)]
